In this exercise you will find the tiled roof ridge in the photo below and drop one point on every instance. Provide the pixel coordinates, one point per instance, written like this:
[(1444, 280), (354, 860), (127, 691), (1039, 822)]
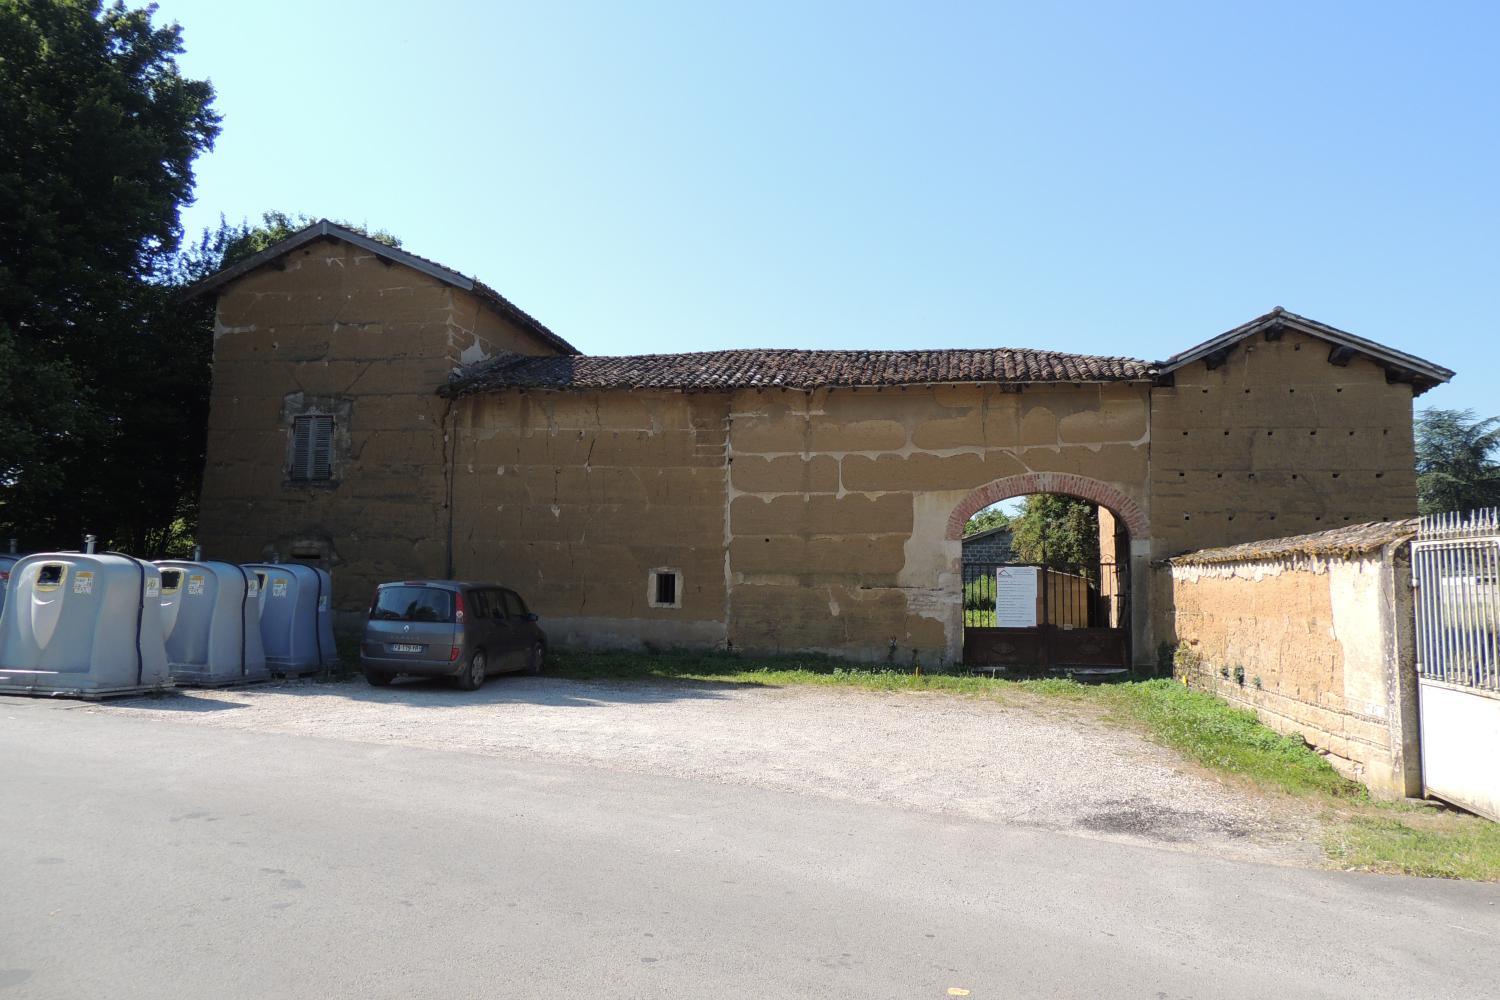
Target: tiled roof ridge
[(791, 367)]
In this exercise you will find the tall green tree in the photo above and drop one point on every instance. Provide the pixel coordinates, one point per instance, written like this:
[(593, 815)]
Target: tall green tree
[(1057, 531), (98, 134), (1457, 467)]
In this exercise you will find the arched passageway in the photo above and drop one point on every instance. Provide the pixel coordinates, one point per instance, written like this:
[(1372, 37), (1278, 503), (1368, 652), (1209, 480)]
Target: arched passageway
[(1049, 613)]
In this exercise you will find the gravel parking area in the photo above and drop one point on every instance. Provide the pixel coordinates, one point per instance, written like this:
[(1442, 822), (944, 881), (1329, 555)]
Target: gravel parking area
[(1032, 760)]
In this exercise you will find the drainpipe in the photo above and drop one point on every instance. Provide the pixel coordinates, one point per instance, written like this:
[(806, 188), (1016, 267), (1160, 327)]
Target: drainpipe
[(449, 455), (88, 544)]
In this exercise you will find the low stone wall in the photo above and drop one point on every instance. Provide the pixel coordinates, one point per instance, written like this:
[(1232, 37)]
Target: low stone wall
[(1315, 635)]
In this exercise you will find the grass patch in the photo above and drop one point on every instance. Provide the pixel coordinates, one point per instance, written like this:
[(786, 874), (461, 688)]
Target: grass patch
[(1227, 739), (1426, 840), (782, 671)]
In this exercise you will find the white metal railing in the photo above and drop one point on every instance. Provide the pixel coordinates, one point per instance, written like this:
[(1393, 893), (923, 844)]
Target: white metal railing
[(1456, 572)]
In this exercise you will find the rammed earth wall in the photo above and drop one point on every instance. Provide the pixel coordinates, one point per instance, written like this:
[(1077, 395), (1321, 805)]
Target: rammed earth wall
[(1316, 643), (796, 518)]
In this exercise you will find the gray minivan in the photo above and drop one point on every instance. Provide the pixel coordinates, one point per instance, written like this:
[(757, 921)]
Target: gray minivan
[(447, 628)]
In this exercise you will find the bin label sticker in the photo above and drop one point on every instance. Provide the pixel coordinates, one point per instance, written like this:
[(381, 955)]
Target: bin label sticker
[(278, 587), (323, 603), (83, 582), (195, 586), (252, 586), (153, 587)]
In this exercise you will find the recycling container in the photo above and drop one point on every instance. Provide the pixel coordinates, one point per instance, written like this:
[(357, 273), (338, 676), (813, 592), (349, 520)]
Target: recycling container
[(296, 617), (83, 625), (211, 623), (6, 562)]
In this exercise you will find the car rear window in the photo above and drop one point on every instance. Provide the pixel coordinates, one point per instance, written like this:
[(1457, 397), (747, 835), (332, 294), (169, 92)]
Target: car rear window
[(412, 604)]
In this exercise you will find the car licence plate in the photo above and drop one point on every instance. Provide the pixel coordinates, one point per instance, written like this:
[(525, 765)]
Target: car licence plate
[(405, 647)]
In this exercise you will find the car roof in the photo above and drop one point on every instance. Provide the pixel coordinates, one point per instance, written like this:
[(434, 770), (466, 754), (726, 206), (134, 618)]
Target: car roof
[(446, 584)]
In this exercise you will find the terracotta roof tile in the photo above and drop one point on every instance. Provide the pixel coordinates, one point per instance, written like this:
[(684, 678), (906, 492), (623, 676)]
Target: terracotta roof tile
[(1345, 541), (792, 369)]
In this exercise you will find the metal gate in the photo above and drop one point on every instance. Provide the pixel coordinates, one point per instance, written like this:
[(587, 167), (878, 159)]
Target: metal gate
[(1080, 616), (1456, 572)]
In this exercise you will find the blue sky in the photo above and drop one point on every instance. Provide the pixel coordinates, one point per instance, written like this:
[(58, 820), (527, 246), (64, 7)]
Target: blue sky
[(1101, 178)]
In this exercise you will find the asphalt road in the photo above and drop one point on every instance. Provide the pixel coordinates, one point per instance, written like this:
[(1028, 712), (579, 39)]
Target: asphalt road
[(146, 858)]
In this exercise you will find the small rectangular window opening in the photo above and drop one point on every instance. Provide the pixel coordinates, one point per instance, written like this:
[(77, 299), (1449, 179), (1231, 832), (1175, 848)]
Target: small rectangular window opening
[(312, 448), (171, 581), (665, 589)]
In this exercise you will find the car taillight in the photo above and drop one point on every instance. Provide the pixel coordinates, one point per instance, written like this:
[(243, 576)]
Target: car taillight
[(458, 608), (453, 652)]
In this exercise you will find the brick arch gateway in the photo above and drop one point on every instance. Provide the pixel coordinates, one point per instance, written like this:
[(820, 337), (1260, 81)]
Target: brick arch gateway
[(1081, 487), (1054, 646)]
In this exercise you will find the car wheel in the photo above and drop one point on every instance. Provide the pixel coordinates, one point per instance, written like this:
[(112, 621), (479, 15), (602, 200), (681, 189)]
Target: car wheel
[(473, 673), (377, 678), (534, 661)]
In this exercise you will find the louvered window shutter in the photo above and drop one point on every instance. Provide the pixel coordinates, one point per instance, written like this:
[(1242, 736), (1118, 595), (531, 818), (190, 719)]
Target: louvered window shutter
[(312, 448), (322, 448)]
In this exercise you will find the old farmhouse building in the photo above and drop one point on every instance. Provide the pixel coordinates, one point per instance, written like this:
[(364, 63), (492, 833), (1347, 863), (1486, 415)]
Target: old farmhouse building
[(390, 418)]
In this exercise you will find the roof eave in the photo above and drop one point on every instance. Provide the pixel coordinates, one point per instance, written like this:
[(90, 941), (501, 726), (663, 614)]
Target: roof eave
[(1421, 373)]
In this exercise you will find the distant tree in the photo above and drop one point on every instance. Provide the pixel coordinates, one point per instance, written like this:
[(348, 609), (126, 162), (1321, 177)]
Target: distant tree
[(98, 134), (1457, 467), (1057, 531), (233, 244), (990, 517)]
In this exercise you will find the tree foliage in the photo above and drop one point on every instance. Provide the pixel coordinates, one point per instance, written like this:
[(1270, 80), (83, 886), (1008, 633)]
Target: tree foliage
[(990, 517), (104, 367), (1457, 467), (1057, 531), (98, 375)]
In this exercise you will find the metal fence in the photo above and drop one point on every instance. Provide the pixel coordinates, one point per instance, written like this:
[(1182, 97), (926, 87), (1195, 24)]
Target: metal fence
[(1456, 570), (1073, 598)]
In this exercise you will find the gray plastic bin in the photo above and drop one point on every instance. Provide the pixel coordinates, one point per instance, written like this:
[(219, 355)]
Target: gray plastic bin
[(82, 625), (6, 562), (211, 620), (296, 617)]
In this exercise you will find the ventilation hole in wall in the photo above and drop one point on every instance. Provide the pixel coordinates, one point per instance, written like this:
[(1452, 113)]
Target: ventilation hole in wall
[(1380, 475), (1273, 517), (1247, 392), (1270, 433), (1317, 519), (1339, 389), (1231, 517), (1205, 392), (1387, 431), (1218, 475), (1226, 433), (1294, 475), (1335, 475), (1291, 390), (1252, 475), (1351, 433), (768, 539), (1313, 433), (1346, 517), (1184, 433), (1181, 474), (1296, 347)]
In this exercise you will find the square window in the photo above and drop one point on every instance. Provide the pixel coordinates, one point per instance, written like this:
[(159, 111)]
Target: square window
[(664, 588), (312, 448)]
